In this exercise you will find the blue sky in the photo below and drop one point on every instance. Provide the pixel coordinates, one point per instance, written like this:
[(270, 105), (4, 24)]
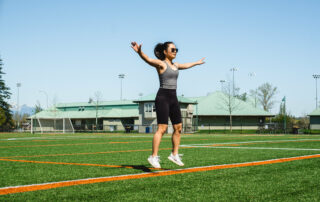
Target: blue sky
[(71, 49)]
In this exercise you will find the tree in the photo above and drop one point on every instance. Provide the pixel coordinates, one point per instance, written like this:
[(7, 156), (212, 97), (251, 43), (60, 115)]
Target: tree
[(265, 94), (242, 97), (37, 108), (303, 122), (7, 122), (96, 101), (230, 102), (2, 117)]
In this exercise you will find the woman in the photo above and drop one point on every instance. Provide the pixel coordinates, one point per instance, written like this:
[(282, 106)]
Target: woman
[(166, 102)]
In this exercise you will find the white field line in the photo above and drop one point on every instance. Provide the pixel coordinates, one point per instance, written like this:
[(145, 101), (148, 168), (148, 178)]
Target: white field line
[(148, 173), (272, 148), (92, 137), (266, 141)]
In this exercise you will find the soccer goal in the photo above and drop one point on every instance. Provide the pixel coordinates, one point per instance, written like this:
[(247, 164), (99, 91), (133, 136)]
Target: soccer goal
[(55, 125)]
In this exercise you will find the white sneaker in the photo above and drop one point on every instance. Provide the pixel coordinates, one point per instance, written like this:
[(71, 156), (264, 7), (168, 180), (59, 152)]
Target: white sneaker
[(154, 161), (176, 159)]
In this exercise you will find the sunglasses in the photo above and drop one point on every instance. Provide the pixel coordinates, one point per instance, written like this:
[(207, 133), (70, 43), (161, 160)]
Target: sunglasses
[(174, 50)]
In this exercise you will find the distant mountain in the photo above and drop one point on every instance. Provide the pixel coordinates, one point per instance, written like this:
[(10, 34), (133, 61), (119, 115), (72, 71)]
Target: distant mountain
[(24, 109)]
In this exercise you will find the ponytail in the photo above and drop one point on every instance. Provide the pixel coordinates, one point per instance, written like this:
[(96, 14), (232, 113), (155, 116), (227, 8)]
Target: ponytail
[(159, 48)]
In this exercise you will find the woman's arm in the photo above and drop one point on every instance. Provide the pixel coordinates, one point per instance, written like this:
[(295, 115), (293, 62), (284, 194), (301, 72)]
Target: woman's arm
[(153, 62), (189, 65)]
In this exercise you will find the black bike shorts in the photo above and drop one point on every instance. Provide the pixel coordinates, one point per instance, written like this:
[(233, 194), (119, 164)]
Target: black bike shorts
[(167, 105)]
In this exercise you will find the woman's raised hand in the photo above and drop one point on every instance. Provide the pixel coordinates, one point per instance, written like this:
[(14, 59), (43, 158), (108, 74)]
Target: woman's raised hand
[(136, 47), (200, 62)]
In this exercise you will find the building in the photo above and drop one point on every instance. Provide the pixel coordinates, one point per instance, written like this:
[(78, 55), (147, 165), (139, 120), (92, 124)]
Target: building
[(147, 114), (107, 116), (315, 119), (213, 112), (198, 113)]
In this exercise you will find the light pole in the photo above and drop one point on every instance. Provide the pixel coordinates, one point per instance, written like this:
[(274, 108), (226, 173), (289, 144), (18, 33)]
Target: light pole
[(121, 77), (233, 70), (253, 74), (41, 91), (18, 107), (316, 76), (222, 81), (284, 114)]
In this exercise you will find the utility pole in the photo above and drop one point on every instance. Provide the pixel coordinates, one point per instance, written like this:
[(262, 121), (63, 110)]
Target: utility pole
[(233, 70), (316, 76), (18, 107), (121, 77), (253, 74), (222, 81), (284, 114)]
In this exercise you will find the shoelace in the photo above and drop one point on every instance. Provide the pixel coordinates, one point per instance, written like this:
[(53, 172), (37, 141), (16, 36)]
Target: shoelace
[(158, 158)]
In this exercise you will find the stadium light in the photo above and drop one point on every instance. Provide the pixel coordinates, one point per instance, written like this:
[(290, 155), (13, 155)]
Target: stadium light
[(316, 76), (121, 77), (253, 74), (233, 70), (222, 81)]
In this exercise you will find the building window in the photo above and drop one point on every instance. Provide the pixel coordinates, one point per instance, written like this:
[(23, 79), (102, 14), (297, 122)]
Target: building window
[(81, 109), (149, 107)]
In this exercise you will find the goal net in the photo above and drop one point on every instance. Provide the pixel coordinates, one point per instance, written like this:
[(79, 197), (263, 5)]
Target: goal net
[(55, 125)]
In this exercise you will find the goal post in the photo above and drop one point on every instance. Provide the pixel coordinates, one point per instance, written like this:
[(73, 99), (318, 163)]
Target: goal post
[(52, 125)]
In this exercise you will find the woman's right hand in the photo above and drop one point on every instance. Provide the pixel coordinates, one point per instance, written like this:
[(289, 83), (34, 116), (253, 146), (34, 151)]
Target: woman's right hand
[(136, 47)]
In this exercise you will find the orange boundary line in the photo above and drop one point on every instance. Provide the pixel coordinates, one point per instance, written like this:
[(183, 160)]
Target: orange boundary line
[(54, 145), (39, 140), (61, 145), (107, 152), (79, 164), (36, 187)]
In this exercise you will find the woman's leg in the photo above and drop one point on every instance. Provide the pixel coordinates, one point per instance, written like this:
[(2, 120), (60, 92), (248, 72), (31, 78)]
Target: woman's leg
[(157, 138), (176, 138)]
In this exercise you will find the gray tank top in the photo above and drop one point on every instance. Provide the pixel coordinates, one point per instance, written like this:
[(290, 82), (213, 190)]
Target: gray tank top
[(168, 79)]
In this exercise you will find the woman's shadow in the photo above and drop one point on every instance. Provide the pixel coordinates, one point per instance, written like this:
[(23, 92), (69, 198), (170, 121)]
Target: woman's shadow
[(142, 168)]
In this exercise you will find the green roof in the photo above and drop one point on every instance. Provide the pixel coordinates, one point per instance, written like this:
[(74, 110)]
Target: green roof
[(101, 103), (211, 105), (214, 104), (315, 112), (118, 112), (152, 97)]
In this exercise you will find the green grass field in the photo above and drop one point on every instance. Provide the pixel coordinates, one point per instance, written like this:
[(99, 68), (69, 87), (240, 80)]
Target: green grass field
[(30, 159)]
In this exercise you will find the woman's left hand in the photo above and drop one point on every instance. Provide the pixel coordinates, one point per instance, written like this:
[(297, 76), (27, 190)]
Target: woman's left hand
[(200, 62)]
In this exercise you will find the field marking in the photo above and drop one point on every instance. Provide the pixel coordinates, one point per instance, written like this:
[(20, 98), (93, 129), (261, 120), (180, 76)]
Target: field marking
[(68, 137), (51, 185), (182, 146), (106, 136), (107, 152), (75, 144), (88, 143), (257, 142), (78, 164), (272, 148)]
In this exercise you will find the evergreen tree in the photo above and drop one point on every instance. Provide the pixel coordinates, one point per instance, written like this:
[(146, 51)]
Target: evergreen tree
[(6, 116)]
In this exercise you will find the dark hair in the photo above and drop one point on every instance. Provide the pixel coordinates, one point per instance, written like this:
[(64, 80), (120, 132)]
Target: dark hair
[(159, 48)]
